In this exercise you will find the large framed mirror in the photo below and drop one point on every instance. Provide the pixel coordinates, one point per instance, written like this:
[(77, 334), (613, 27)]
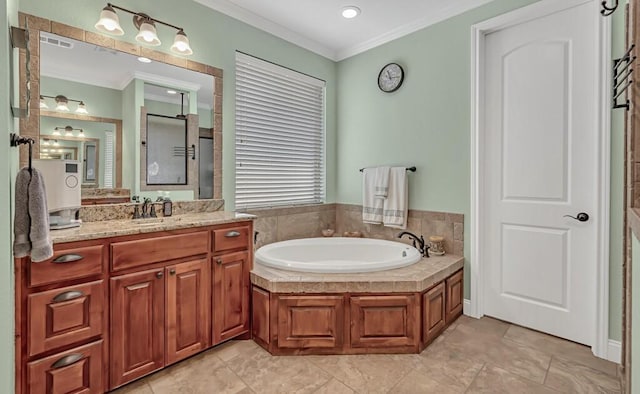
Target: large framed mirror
[(76, 90)]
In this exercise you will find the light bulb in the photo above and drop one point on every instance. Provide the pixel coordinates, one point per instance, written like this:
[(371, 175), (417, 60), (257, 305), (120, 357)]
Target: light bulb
[(82, 108), (109, 22), (181, 44), (147, 34)]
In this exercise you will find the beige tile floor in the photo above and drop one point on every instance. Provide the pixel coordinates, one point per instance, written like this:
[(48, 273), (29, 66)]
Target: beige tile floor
[(472, 356)]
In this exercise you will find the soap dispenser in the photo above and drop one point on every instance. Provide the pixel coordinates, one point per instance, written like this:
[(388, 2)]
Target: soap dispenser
[(167, 205)]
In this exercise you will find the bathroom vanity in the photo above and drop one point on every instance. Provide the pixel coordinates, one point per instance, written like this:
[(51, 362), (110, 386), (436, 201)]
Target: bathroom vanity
[(121, 299), (395, 311)]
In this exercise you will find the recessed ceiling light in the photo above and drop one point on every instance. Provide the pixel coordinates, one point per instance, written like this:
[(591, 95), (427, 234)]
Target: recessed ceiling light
[(143, 59), (350, 11), (172, 92)]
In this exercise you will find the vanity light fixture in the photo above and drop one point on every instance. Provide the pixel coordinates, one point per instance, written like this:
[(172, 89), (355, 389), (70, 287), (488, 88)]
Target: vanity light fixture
[(68, 132), (45, 142), (56, 143), (350, 11), (62, 104), (146, 25)]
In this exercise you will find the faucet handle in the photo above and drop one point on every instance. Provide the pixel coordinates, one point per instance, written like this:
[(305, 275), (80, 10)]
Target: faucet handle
[(135, 199), (153, 211), (136, 212)]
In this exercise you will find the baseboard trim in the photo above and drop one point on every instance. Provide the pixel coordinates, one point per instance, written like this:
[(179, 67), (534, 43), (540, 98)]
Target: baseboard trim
[(614, 351), (466, 307)]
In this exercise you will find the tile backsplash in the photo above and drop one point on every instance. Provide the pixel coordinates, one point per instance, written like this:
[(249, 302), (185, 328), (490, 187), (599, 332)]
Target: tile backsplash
[(96, 213), (280, 224)]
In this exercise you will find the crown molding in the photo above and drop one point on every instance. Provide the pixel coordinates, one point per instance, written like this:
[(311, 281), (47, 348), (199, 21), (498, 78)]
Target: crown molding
[(242, 14), (449, 12)]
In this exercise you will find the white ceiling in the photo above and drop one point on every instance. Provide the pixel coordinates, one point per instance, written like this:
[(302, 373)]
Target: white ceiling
[(95, 65), (318, 25)]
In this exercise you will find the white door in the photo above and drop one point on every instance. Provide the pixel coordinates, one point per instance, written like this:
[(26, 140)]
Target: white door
[(541, 163)]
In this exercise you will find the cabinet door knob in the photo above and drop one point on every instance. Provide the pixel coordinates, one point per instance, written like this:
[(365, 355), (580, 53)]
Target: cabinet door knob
[(159, 274), (219, 261), (172, 271)]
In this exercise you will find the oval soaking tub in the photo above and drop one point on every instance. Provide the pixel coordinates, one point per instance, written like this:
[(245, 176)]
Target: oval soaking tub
[(337, 255)]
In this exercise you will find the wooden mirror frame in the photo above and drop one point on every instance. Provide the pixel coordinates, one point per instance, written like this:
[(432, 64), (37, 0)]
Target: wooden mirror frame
[(30, 126)]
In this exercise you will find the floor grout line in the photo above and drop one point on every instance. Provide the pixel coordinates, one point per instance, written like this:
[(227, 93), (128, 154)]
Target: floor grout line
[(546, 374), (475, 377)]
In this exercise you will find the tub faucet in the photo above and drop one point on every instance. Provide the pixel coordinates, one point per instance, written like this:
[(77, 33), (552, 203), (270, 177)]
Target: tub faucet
[(418, 243)]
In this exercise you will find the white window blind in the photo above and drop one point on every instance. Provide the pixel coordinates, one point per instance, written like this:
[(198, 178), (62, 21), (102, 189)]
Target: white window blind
[(279, 135), (108, 159)]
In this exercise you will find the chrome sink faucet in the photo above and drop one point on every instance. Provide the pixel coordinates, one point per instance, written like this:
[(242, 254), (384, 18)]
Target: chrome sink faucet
[(418, 243), (145, 207)]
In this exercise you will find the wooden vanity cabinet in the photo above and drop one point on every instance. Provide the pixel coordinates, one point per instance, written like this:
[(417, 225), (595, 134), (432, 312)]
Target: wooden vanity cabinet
[(455, 296)]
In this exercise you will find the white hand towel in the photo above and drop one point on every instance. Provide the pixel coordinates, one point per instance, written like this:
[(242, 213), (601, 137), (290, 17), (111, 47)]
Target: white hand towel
[(371, 204), (41, 244), (21, 220), (382, 181), (396, 205)]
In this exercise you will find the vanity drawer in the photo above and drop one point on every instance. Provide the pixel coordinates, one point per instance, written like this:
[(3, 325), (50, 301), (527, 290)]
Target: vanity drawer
[(64, 316), (72, 263), (78, 370), (131, 254), (230, 238)]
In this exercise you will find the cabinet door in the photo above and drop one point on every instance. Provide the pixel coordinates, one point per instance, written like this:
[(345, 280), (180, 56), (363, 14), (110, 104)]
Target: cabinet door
[(433, 314), (137, 325), (188, 309), (385, 321), (77, 371), (230, 296), (455, 293), (310, 321)]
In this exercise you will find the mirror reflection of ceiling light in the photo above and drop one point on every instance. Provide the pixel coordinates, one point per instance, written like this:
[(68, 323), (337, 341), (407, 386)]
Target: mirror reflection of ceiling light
[(350, 11), (171, 92), (82, 108), (109, 23), (68, 132), (43, 103), (56, 143), (143, 59)]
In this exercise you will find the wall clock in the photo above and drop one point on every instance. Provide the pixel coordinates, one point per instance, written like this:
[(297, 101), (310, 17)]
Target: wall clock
[(390, 77)]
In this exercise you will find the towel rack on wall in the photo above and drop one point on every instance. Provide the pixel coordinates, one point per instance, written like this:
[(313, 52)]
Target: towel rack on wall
[(412, 169), (16, 140), (622, 77)]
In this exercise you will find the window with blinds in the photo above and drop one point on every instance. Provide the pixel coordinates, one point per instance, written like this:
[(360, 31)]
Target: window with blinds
[(280, 135), (108, 159)]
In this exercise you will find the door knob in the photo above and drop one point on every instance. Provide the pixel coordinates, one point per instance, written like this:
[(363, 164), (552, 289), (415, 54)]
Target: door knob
[(581, 217), (159, 274)]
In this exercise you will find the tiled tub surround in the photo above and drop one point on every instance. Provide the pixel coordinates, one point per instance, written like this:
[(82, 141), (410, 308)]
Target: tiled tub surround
[(391, 311), (99, 213), (281, 224)]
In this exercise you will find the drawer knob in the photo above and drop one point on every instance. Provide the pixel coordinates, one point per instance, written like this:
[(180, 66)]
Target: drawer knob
[(68, 296), (159, 274), (67, 360), (172, 271), (232, 234), (219, 261), (68, 258)]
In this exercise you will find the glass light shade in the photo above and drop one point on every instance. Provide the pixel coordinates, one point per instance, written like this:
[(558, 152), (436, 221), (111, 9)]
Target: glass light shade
[(109, 22), (56, 143), (82, 109), (56, 132), (148, 35), (181, 44), (81, 133), (68, 134), (43, 103), (62, 104), (45, 143)]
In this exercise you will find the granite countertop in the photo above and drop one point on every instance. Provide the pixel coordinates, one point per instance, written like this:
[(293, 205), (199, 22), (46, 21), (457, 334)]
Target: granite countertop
[(414, 278), (116, 228)]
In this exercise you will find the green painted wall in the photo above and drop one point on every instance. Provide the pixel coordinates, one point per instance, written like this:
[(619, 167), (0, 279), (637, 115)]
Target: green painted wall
[(427, 123), (104, 102), (129, 129), (214, 38), (8, 168), (635, 315)]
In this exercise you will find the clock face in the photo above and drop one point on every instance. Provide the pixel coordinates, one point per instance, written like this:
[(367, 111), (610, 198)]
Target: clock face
[(390, 77)]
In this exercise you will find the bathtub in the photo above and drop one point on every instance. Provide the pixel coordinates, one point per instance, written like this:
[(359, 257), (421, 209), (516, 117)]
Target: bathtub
[(337, 255)]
